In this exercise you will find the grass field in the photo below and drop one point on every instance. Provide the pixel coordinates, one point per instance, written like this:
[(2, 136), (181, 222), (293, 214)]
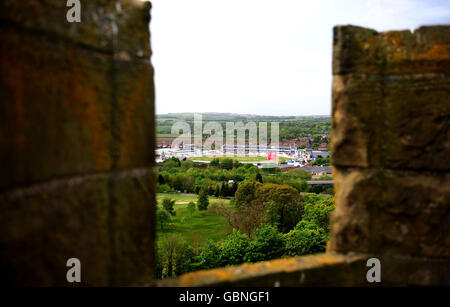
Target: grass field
[(166, 135), (196, 227), (239, 158)]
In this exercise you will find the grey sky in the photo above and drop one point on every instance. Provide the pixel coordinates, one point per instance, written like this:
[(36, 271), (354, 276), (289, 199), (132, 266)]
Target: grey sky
[(259, 56)]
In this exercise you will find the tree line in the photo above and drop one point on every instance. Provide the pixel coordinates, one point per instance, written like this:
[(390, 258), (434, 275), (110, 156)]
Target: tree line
[(269, 221), (222, 176)]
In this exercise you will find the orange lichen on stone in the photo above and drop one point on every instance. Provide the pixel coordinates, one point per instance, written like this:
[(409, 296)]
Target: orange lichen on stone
[(435, 51), (266, 272)]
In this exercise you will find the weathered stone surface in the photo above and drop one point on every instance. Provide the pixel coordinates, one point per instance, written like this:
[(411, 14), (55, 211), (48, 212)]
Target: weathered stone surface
[(80, 111), (76, 143), (416, 119), (330, 269), (324, 269), (394, 212), (404, 270), (55, 119), (106, 221), (111, 26), (134, 116), (393, 121), (363, 51), (391, 142), (394, 118), (356, 126)]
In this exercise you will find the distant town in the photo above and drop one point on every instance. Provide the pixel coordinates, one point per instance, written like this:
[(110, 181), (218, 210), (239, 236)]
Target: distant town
[(307, 150)]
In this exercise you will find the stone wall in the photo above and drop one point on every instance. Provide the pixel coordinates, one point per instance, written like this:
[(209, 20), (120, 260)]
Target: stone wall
[(391, 143), (390, 149), (76, 142)]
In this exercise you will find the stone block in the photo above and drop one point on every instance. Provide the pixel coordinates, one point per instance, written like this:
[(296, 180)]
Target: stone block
[(134, 114), (79, 111), (109, 26), (396, 119), (106, 221), (363, 51), (55, 118), (393, 212)]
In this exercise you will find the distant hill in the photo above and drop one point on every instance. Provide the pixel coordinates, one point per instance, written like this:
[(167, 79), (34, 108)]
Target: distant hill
[(293, 129), (234, 116)]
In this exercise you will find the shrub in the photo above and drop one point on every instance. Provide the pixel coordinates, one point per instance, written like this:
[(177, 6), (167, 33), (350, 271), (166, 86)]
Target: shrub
[(305, 238), (215, 162), (167, 204), (284, 204), (319, 213), (259, 178), (234, 248), (203, 200), (267, 244), (191, 207), (162, 217), (174, 257), (208, 257), (245, 193), (164, 188), (226, 163)]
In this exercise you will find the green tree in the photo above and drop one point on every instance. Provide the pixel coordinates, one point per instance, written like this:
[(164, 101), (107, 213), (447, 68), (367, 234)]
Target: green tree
[(161, 179), (317, 188), (259, 178), (224, 190), (234, 248), (203, 199), (171, 163), (217, 191), (319, 213), (187, 164), (174, 256), (226, 163), (215, 162), (246, 192), (305, 238), (234, 188), (168, 204), (267, 244), (284, 202), (208, 257), (162, 217), (237, 164), (191, 208)]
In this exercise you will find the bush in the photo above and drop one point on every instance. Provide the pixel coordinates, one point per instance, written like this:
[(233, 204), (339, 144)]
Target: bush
[(306, 238), (168, 204), (215, 162), (203, 200), (226, 163), (234, 248), (284, 204), (321, 161), (161, 179), (267, 244), (191, 208), (208, 257), (171, 163), (259, 178), (245, 193), (319, 213), (164, 188), (174, 257), (162, 217)]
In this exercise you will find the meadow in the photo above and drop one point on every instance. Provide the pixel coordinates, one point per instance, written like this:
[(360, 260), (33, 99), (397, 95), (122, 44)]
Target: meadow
[(198, 226)]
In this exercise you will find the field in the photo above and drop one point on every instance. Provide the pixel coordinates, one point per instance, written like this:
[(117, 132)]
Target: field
[(239, 158), (196, 227)]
